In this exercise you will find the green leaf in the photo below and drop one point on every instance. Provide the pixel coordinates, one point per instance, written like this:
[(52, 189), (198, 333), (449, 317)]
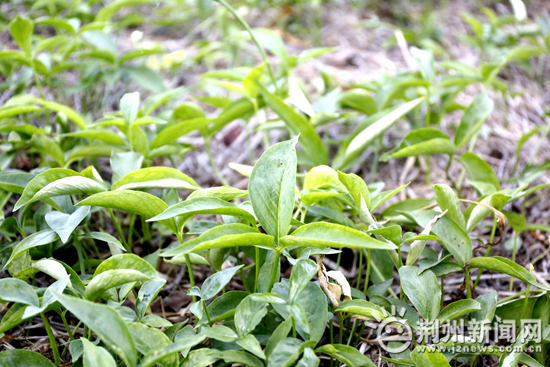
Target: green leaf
[(141, 203), (429, 357), (384, 196), (516, 220), (362, 308), (64, 224), (425, 61), (112, 278), (452, 237), (322, 234), (129, 107), (314, 303), (226, 193), (287, 352), (138, 140), (505, 266), (356, 187), (106, 136), (252, 345), (424, 141), (280, 333), (214, 283), (47, 146), (301, 274), (174, 132), (458, 309), (155, 178), (147, 340), (479, 170), (309, 359), (248, 314), (362, 140), (34, 240), (15, 290), (67, 111), (15, 181), (219, 332), (204, 205), (346, 354), (23, 357), (228, 235), (105, 237), (127, 261), (309, 140), (474, 116), (271, 188), (359, 100), (96, 356), (448, 200), (521, 53), (422, 289), (21, 30), (105, 322), (224, 306), (182, 343), (147, 293), (57, 182)]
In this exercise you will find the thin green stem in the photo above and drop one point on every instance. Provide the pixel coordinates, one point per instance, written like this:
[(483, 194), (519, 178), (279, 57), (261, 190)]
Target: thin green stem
[(206, 313), (293, 328), (119, 230), (341, 335), (62, 315), (467, 281), (257, 268), (275, 272), (358, 285), (53, 341), (513, 258), (189, 267), (367, 275), (262, 52), (493, 231), (213, 162)]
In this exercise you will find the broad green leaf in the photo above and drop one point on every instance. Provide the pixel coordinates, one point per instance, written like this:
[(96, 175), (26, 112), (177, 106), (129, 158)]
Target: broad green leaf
[(309, 359), (251, 344), (323, 177), (488, 303), (422, 289), (138, 140), (106, 136), (479, 170), (51, 267), (359, 100), (8, 111), (219, 332), (105, 322), (223, 307), (287, 352), (96, 356), (448, 200), (475, 213), (87, 152), (516, 220), (126, 261), (356, 187), (129, 107), (155, 178), (64, 224), (15, 181), (452, 237), (147, 340), (271, 188), (15, 290), (346, 354), (310, 197), (251, 80), (47, 146), (67, 111), (309, 139), (23, 357), (474, 116), (314, 303), (147, 293), (362, 140), (21, 30), (382, 197), (57, 182), (505, 266), (174, 132), (138, 202), (204, 205), (458, 309), (425, 61), (214, 283), (228, 235), (301, 274), (183, 343), (226, 193), (112, 278), (429, 358), (367, 310), (34, 240), (521, 53), (105, 237), (280, 333), (248, 315), (323, 234), (424, 141)]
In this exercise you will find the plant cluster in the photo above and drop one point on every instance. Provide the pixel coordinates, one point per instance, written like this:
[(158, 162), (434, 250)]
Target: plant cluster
[(98, 224)]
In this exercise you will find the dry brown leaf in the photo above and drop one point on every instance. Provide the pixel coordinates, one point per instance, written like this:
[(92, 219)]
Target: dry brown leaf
[(333, 291)]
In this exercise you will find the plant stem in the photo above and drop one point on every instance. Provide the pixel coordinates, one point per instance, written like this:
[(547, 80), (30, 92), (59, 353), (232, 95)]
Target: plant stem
[(119, 230), (53, 342), (257, 268), (341, 335), (513, 258), (293, 328), (189, 267), (367, 275), (213, 162), (62, 314), (262, 52), (467, 281), (275, 272), (493, 230), (358, 285), (206, 313)]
